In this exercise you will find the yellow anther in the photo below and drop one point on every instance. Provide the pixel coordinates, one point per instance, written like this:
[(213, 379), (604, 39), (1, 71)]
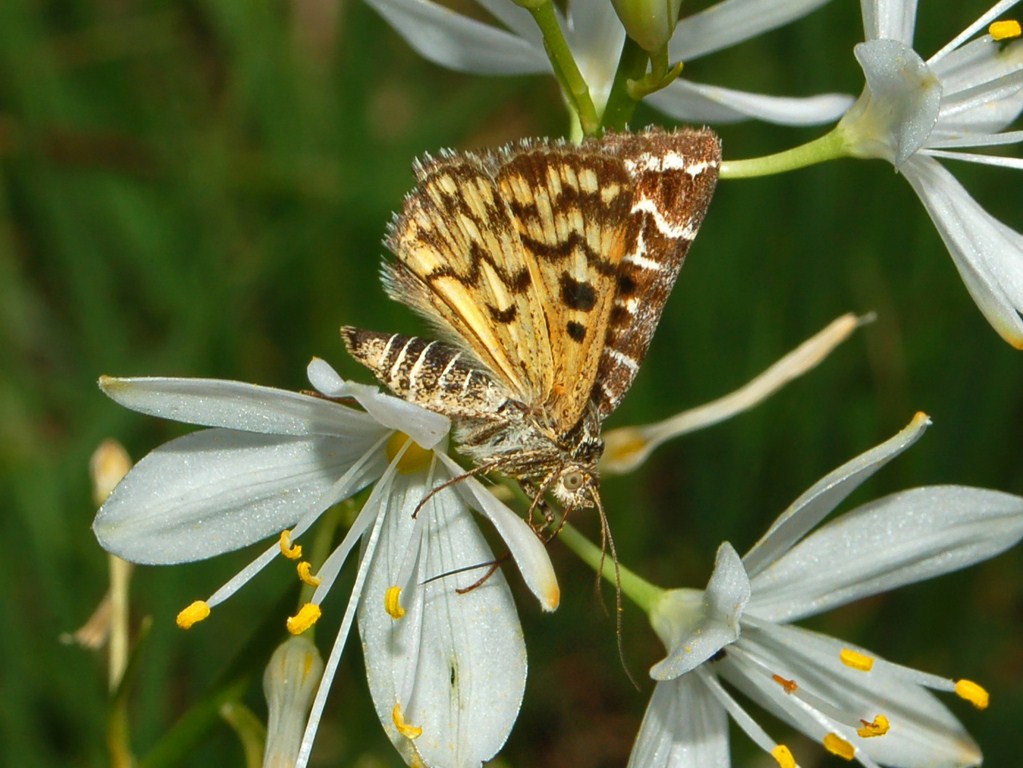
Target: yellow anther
[(415, 459), (305, 573), (392, 603), (193, 614), (838, 746), (289, 550), (307, 615), (856, 660), (783, 757), (973, 693), (789, 686), (1005, 30), (879, 727), (405, 729)]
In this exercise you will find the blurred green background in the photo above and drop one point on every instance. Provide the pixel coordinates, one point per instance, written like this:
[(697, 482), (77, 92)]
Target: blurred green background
[(200, 189)]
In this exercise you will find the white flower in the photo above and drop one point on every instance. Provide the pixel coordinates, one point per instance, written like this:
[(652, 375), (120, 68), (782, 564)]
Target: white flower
[(275, 461), (737, 630), (913, 111), (595, 35)]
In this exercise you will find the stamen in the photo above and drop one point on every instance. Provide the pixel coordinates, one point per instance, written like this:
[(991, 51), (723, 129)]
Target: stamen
[(414, 459), (789, 686), (305, 573), (783, 757), (879, 727), (392, 603), (1004, 30), (193, 614), (288, 549), (973, 693), (307, 615), (856, 660), (838, 746), (405, 729)]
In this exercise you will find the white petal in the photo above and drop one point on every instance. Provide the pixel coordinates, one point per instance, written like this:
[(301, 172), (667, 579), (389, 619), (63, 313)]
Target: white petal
[(1014, 163), (696, 103), (988, 255), (525, 547), (595, 35), (826, 494), (923, 731), (235, 405), (989, 15), (694, 633), (974, 140), (732, 21), (903, 99), (515, 18), (984, 108), (900, 539), (684, 727), (982, 64), (889, 19), (455, 663), (454, 41), (425, 427), (217, 490)]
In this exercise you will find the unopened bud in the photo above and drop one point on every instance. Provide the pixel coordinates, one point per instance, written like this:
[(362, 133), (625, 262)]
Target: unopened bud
[(289, 683), (651, 23)]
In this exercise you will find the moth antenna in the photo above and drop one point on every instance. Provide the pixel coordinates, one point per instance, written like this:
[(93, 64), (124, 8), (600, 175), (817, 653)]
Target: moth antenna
[(607, 544)]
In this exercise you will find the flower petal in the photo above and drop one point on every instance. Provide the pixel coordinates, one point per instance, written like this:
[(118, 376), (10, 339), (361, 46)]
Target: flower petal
[(523, 544), (697, 103), (684, 727), (983, 66), (235, 405), (826, 494), (455, 664), (889, 19), (217, 490), (988, 255), (923, 730), (900, 106), (456, 42), (694, 633), (595, 35), (733, 21), (900, 539)]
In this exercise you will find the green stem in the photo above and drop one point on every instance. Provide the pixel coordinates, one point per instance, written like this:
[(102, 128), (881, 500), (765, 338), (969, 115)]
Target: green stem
[(641, 592), (828, 147), (620, 104), (565, 68)]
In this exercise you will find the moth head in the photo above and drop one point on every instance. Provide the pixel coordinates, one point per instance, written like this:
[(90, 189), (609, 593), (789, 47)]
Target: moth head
[(575, 486)]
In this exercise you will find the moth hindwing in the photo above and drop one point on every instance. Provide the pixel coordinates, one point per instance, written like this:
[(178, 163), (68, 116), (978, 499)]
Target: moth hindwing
[(545, 267)]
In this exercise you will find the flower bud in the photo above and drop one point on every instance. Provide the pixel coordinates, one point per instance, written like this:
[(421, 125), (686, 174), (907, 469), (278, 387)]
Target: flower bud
[(289, 683), (651, 23)]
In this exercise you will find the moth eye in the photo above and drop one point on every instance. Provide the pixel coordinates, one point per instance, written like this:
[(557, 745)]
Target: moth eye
[(573, 481)]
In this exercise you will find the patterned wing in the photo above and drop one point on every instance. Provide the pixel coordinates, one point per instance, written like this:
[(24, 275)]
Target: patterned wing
[(672, 175), (571, 207), (460, 264)]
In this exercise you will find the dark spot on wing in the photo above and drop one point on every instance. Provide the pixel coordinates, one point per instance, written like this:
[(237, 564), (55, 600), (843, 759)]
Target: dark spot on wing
[(576, 331)]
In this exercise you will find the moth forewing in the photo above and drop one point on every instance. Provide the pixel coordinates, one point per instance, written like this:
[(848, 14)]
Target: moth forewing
[(546, 267)]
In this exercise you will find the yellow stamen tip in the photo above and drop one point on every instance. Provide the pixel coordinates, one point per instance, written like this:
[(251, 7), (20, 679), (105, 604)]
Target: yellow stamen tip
[(193, 614), (305, 573), (307, 615), (789, 686), (879, 727), (856, 660), (415, 458), (1005, 30), (839, 747), (392, 603), (289, 550), (405, 729), (783, 757), (973, 693)]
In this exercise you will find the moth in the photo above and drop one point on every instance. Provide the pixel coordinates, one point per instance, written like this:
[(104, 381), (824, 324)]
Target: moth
[(544, 266)]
